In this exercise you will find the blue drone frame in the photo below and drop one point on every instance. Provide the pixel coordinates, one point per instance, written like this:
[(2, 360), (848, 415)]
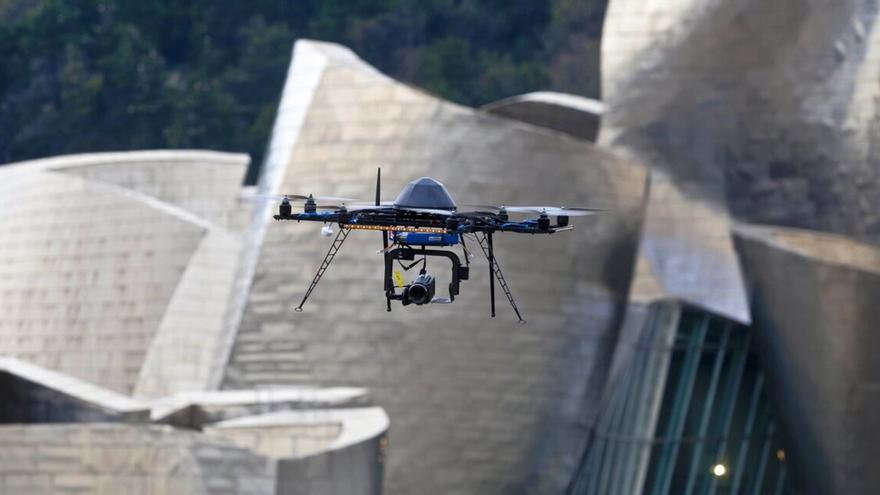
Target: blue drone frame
[(414, 226)]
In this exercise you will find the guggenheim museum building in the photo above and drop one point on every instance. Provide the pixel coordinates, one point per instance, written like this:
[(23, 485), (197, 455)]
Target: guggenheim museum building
[(715, 330)]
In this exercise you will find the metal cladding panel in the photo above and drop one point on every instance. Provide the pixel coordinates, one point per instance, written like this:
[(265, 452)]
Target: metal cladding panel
[(477, 405), (89, 281), (571, 114), (115, 458), (686, 253), (815, 307), (204, 183), (85, 285), (768, 106)]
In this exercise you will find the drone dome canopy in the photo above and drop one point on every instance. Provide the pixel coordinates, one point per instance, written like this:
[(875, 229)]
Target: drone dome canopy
[(425, 193)]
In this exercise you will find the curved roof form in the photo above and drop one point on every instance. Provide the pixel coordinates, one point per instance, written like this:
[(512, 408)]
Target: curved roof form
[(426, 365), (347, 427), (783, 128), (94, 267), (686, 253), (425, 193), (572, 114), (816, 311), (130, 459)]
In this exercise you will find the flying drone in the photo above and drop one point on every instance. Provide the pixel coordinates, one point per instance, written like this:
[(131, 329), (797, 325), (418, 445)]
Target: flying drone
[(422, 220)]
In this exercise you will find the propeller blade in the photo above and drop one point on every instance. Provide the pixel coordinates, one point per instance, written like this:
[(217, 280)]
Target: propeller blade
[(300, 197), (389, 205), (553, 210), (369, 206), (471, 214), (549, 210), (485, 207), (427, 210)]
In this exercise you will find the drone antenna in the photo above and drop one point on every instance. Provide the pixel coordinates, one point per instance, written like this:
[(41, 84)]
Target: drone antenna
[(384, 232), (378, 186)]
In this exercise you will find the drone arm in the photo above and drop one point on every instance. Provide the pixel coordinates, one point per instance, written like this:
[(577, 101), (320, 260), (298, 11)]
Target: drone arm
[(318, 216), (529, 227)]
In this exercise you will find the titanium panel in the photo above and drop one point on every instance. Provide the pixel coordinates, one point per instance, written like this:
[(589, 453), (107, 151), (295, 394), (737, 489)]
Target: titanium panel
[(478, 405), (686, 253), (769, 107), (686, 396), (815, 306), (574, 115)]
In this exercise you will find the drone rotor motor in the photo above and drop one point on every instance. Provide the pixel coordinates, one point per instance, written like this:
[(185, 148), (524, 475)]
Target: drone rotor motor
[(544, 222)]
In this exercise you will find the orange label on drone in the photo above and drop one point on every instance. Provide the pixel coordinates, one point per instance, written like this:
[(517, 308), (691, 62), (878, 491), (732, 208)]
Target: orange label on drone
[(396, 228)]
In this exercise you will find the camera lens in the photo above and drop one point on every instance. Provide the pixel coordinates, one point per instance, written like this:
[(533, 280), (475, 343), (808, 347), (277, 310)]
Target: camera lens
[(421, 291), (418, 294)]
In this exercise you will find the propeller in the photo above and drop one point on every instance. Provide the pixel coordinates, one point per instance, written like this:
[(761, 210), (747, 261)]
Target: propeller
[(388, 205), (548, 210), (427, 210), (369, 206), (300, 197), (476, 214)]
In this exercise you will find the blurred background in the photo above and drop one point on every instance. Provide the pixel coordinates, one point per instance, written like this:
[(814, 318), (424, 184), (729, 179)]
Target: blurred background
[(102, 75)]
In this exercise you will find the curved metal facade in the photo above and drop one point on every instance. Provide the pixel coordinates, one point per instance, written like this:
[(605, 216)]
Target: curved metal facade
[(98, 283), (571, 114), (477, 405), (767, 106), (686, 413), (815, 307)]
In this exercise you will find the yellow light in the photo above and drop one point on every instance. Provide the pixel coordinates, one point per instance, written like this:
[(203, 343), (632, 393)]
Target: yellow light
[(719, 470), (780, 454)]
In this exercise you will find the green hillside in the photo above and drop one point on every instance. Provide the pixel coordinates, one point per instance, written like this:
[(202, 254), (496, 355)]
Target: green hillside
[(97, 75)]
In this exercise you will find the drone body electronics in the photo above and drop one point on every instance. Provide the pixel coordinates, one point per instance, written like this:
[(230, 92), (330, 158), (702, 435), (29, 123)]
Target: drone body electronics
[(422, 221)]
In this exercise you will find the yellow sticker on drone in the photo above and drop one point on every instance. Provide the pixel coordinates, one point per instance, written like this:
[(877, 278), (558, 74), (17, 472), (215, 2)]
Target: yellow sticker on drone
[(398, 279)]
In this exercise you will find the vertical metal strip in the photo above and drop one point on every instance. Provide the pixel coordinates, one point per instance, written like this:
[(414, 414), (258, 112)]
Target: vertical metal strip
[(597, 454), (666, 328), (762, 463), (708, 405), (591, 477), (603, 433), (680, 407), (731, 399), (739, 467), (780, 480), (639, 431), (624, 427), (609, 430)]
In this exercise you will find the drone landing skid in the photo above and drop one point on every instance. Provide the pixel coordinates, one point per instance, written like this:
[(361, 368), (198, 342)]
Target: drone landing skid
[(495, 273), (328, 258)]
